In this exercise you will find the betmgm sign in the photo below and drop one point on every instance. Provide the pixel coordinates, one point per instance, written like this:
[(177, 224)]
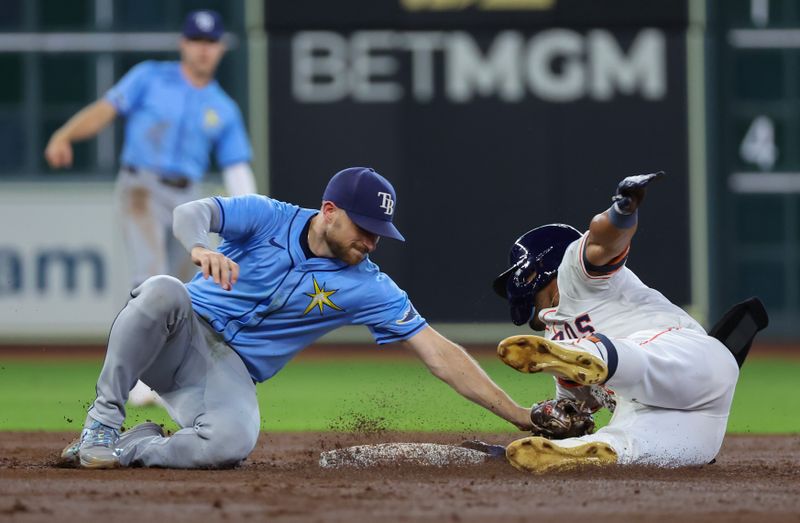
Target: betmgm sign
[(490, 117), (555, 65)]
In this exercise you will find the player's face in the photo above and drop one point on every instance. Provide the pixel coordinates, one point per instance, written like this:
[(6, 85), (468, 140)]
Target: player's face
[(546, 298), (346, 240), (201, 57)]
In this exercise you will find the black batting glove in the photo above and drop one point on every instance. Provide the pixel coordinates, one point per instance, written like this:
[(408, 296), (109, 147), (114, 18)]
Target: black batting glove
[(631, 191)]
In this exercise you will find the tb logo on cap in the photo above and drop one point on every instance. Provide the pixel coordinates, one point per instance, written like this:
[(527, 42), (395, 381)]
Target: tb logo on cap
[(387, 204), (204, 21)]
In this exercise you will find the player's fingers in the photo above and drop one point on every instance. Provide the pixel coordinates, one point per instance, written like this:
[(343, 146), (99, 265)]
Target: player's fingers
[(59, 156), (204, 264), (224, 272), (215, 269), (53, 158), (234, 271)]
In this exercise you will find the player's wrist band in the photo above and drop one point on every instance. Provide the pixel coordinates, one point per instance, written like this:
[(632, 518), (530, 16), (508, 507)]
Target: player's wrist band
[(620, 220)]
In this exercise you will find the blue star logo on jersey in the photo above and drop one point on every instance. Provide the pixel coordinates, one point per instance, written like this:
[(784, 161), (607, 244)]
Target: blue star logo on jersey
[(320, 297)]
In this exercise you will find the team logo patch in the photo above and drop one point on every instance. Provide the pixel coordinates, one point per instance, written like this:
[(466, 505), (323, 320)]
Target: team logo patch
[(408, 316), (204, 21), (320, 298), (210, 119)]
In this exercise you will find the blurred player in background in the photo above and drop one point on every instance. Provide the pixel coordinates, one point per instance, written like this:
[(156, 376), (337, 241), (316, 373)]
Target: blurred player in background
[(176, 115)]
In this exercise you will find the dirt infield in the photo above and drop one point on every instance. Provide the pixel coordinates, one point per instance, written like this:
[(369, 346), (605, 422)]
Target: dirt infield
[(754, 479)]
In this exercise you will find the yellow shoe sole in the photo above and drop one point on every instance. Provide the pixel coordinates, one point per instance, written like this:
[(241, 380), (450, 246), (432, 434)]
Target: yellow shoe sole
[(540, 455), (536, 354)]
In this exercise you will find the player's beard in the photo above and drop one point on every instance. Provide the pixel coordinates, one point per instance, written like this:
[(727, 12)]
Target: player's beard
[(543, 300), (352, 253), (535, 323)]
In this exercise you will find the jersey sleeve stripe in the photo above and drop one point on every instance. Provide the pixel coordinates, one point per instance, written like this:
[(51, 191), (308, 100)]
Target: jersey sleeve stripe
[(391, 339), (606, 271), (221, 214)]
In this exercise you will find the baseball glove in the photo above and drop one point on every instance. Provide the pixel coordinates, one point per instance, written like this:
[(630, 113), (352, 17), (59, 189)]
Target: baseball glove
[(559, 419)]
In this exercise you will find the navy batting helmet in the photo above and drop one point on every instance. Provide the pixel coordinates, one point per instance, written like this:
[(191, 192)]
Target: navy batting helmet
[(535, 256)]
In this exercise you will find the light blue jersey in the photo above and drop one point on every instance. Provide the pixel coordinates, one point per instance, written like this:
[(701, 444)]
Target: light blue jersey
[(172, 126), (284, 301)]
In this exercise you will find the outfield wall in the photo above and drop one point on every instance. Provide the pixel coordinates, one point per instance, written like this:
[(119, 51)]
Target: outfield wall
[(63, 272)]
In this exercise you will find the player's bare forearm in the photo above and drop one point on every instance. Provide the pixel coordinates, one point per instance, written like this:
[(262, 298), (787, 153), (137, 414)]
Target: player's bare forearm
[(451, 363), (606, 241), (88, 121)]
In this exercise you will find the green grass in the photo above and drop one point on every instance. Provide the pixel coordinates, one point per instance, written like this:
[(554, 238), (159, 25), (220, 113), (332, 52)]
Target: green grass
[(362, 394)]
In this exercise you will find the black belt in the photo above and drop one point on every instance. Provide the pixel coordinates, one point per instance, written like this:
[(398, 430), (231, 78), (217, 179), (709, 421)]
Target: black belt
[(176, 182)]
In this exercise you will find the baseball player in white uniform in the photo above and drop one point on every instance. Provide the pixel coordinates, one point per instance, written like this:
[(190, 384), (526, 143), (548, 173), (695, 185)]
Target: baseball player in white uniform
[(611, 340)]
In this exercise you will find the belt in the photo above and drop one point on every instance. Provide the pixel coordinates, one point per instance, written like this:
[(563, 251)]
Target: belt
[(175, 181)]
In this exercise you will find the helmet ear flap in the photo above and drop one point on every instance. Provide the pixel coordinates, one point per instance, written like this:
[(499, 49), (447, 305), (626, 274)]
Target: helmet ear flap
[(520, 292)]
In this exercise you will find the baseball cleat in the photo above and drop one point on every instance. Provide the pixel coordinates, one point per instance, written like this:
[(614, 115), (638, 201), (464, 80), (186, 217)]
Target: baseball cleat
[(69, 456), (98, 448), (530, 354), (540, 455)]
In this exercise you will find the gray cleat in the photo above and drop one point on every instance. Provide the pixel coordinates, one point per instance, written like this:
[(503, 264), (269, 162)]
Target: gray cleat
[(70, 456), (98, 448)]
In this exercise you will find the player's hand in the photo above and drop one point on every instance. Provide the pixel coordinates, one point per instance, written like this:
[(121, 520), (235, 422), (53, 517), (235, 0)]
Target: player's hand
[(559, 419), (222, 269), (522, 419), (631, 191), (58, 152)]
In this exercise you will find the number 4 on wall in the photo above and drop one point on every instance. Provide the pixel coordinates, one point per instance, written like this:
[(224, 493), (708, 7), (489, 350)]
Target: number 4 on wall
[(759, 12), (758, 146)]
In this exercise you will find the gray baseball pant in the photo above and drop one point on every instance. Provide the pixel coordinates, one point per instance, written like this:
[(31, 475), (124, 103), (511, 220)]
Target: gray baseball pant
[(145, 208), (206, 387)]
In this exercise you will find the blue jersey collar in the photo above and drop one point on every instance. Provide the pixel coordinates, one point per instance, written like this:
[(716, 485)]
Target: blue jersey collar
[(296, 248)]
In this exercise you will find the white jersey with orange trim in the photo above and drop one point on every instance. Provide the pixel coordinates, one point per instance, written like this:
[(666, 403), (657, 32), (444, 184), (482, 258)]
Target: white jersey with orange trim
[(672, 385), (616, 304)]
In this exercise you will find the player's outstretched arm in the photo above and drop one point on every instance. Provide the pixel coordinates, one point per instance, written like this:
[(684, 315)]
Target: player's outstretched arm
[(611, 231), (85, 124), (451, 364)]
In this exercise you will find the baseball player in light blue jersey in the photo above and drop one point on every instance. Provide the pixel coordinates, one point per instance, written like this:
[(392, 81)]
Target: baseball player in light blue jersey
[(283, 277), (176, 115)]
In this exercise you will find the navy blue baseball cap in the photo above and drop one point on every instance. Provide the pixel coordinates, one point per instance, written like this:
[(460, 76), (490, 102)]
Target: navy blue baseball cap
[(367, 197), (204, 23)]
